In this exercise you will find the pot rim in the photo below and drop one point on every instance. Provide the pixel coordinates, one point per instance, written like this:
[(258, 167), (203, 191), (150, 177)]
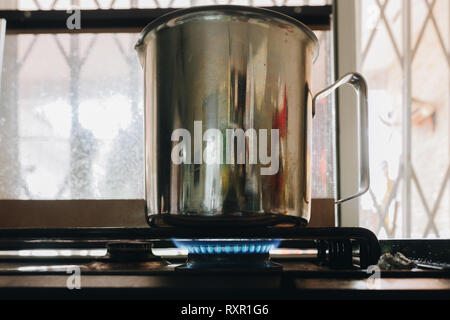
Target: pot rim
[(227, 8)]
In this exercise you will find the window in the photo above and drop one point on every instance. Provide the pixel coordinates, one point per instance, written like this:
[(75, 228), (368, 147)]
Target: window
[(405, 55), (71, 119)]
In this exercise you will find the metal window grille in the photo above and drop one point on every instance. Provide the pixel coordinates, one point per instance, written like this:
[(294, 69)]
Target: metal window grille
[(405, 53)]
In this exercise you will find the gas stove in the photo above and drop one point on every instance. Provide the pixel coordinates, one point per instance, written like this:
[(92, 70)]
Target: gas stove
[(177, 263)]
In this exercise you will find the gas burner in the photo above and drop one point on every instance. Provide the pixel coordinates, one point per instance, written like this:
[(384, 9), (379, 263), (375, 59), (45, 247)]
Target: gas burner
[(216, 255), (229, 262), (227, 247)]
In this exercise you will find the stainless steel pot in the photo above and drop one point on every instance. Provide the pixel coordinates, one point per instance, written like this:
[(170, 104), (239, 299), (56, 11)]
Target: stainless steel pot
[(209, 70)]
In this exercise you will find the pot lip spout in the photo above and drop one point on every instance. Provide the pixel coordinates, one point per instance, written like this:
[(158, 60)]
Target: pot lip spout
[(228, 9)]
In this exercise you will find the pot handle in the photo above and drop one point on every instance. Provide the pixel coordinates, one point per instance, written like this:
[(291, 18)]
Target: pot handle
[(358, 82)]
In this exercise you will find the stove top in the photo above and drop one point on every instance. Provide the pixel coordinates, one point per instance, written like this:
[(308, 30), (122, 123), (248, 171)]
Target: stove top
[(310, 263), (337, 248)]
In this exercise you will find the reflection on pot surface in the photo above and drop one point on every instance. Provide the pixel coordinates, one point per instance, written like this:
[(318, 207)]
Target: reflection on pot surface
[(229, 116)]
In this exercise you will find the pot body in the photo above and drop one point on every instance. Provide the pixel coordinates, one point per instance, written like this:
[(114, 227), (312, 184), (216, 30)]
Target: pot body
[(228, 116)]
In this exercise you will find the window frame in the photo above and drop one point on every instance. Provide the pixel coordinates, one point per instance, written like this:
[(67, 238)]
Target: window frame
[(133, 20), (347, 144)]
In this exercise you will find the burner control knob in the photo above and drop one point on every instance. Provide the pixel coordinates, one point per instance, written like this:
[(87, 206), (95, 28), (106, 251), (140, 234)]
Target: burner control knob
[(131, 251)]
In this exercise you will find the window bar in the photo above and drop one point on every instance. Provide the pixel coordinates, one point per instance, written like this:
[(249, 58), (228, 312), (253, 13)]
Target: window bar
[(76, 137), (9, 96), (2, 45), (407, 119)]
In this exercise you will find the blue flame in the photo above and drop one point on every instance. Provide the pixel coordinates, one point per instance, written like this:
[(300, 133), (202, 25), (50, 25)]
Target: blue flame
[(227, 246)]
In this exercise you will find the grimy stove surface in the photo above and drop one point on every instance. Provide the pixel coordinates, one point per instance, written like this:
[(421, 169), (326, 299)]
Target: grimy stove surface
[(138, 267)]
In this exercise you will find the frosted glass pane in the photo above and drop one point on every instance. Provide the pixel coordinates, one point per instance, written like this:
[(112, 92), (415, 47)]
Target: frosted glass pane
[(323, 183), (71, 118)]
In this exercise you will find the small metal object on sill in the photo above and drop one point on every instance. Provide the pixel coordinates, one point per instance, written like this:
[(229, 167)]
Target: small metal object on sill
[(432, 265), (397, 261)]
